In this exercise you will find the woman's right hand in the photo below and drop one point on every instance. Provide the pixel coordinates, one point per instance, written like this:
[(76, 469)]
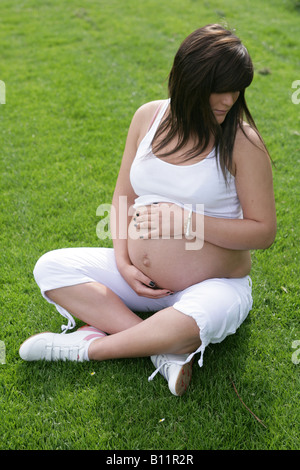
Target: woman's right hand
[(142, 284)]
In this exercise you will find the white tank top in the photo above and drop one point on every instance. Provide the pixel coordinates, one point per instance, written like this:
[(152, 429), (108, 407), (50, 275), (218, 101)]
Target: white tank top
[(198, 186)]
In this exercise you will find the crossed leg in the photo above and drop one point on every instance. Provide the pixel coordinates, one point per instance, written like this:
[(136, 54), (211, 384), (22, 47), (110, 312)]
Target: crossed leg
[(167, 331)]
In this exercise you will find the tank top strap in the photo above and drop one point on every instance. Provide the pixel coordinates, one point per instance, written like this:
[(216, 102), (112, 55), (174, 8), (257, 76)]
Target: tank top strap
[(157, 118)]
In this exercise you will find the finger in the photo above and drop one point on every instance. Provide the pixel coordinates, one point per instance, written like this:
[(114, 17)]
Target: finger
[(153, 234), (146, 291), (141, 211), (146, 224), (145, 280), (149, 286), (148, 227), (149, 233), (157, 295), (147, 211)]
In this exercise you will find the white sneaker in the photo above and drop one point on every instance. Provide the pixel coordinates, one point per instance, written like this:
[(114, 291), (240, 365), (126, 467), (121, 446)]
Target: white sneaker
[(174, 369), (54, 347)]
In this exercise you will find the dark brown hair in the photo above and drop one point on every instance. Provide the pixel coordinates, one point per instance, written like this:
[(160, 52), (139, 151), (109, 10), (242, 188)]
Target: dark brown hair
[(210, 60)]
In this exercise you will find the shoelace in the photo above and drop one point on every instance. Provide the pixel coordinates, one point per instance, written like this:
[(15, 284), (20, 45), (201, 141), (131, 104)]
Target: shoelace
[(71, 323), (164, 364)]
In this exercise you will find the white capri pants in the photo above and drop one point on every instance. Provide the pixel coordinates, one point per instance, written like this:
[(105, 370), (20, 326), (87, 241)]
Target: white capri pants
[(218, 306)]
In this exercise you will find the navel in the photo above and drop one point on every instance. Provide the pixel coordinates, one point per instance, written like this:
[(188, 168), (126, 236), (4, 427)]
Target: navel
[(146, 261)]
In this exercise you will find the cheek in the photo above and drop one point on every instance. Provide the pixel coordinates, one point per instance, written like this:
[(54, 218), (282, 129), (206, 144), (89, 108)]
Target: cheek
[(237, 94), (213, 99)]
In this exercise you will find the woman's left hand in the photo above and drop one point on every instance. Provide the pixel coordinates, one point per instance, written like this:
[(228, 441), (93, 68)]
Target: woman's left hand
[(160, 220)]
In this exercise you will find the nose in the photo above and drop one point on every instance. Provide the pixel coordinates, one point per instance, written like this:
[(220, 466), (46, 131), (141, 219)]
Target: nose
[(229, 98)]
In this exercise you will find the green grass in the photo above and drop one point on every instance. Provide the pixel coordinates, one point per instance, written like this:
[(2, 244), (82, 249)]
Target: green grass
[(75, 72)]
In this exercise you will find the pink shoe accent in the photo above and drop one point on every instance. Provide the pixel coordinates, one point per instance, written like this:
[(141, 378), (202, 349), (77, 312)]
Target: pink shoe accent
[(91, 328), (94, 336)]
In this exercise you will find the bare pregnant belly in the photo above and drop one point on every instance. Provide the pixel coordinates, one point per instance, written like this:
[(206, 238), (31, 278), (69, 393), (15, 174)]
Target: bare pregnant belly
[(172, 265)]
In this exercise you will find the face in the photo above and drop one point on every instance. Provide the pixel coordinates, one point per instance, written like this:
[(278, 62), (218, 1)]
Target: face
[(221, 103)]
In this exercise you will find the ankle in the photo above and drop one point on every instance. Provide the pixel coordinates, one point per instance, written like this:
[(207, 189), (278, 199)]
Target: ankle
[(92, 350)]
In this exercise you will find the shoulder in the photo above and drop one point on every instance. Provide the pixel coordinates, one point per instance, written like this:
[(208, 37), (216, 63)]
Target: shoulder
[(148, 109), (144, 114), (247, 139), (249, 148), (143, 118), (139, 126)]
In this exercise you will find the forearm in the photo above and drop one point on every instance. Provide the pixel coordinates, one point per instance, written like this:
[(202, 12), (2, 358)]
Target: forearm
[(119, 232), (121, 254), (238, 234), (232, 234)]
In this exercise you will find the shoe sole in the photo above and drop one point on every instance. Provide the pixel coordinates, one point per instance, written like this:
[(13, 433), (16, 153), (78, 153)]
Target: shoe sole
[(184, 378)]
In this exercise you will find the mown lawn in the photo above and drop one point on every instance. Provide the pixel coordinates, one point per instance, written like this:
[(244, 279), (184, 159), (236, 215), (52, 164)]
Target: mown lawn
[(74, 74)]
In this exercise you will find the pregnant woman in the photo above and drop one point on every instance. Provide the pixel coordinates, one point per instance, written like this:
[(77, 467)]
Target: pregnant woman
[(194, 194)]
